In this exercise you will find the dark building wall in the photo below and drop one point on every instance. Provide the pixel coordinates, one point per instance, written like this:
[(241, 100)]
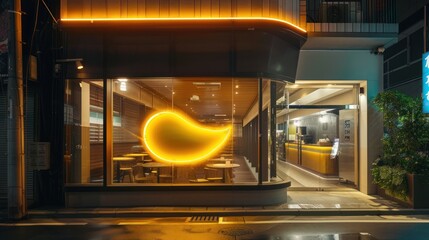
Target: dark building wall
[(403, 60), (138, 53)]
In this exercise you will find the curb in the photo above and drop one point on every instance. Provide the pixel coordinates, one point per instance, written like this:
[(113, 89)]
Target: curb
[(119, 213)]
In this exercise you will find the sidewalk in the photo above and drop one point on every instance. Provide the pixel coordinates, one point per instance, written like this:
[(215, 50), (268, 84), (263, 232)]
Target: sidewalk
[(300, 203)]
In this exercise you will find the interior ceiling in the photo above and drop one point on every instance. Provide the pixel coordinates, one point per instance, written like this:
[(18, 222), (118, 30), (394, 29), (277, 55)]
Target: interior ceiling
[(313, 94), (218, 100), (212, 100)]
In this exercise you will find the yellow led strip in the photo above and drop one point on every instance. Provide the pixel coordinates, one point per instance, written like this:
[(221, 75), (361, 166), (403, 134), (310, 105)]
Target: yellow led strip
[(182, 19), (171, 137)]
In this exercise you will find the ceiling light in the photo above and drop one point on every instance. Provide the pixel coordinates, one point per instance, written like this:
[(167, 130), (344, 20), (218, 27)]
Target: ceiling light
[(207, 85), (123, 84), (195, 98), (236, 86)]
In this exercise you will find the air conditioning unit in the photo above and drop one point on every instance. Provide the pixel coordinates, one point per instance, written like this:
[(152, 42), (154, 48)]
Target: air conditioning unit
[(340, 12)]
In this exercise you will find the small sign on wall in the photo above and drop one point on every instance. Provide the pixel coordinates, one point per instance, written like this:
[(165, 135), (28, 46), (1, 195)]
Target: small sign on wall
[(39, 155), (425, 82)]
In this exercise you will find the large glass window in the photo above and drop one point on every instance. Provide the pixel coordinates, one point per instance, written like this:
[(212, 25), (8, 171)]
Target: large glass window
[(83, 126), (201, 155), (172, 131)]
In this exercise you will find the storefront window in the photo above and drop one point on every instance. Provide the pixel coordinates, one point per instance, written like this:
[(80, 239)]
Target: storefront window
[(211, 134), (83, 131), (208, 104)]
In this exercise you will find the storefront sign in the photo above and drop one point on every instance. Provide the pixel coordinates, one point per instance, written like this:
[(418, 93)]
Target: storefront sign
[(425, 82)]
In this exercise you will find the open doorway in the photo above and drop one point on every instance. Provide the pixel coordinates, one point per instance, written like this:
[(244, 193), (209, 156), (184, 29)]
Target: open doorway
[(318, 134)]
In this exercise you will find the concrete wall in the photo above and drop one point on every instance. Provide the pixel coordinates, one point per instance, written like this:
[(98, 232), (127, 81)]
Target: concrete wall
[(357, 66), (407, 7)]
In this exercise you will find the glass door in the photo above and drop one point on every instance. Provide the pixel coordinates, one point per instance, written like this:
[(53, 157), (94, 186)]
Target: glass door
[(318, 135)]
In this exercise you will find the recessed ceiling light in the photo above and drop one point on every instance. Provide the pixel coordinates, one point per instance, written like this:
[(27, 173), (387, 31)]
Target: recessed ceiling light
[(236, 92), (237, 86)]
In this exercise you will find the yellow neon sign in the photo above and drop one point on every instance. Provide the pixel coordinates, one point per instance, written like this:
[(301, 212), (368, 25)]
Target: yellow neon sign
[(185, 19), (173, 138)]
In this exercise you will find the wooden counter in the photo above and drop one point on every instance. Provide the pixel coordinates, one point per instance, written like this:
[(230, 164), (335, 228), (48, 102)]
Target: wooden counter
[(314, 157)]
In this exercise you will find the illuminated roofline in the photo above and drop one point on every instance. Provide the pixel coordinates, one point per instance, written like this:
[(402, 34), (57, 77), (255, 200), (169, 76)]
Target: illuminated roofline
[(181, 19)]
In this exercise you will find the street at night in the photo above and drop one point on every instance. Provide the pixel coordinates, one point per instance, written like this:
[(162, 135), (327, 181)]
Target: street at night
[(248, 227)]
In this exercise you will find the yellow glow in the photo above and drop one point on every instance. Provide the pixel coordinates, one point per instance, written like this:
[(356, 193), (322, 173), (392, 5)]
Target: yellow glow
[(184, 19), (172, 137)]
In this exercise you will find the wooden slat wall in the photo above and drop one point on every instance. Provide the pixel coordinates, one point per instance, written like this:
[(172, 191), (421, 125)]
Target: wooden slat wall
[(282, 9), (132, 115)]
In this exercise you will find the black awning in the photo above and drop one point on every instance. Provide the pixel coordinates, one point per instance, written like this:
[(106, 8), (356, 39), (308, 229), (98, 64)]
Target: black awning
[(243, 51)]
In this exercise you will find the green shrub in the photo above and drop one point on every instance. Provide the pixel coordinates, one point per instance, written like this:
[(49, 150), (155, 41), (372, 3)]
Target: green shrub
[(405, 142)]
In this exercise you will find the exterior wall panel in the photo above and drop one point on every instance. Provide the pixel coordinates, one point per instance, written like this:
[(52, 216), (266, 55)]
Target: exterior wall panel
[(282, 9)]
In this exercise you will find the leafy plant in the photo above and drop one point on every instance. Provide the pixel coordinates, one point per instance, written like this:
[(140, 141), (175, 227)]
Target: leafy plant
[(392, 179), (405, 142)]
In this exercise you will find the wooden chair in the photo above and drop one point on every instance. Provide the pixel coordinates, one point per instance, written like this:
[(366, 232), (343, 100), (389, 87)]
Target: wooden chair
[(126, 169), (213, 175), (140, 176), (197, 175)]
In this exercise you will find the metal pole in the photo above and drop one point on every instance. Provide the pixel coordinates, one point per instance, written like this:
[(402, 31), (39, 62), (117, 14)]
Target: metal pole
[(260, 164), (424, 29), (17, 208), (273, 127)]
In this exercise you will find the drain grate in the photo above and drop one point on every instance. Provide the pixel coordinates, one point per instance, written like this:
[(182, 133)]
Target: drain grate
[(196, 219)]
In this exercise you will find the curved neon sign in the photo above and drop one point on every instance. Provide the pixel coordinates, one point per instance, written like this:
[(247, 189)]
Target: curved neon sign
[(171, 137)]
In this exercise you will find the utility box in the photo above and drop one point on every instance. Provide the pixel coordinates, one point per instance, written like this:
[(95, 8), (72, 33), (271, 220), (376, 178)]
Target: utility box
[(39, 155)]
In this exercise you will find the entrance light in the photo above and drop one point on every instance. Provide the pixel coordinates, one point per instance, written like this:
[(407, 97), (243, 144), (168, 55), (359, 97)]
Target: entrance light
[(79, 64)]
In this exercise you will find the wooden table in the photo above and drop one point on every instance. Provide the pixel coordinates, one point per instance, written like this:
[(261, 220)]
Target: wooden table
[(221, 159), (139, 155), (156, 165), (225, 167), (118, 161)]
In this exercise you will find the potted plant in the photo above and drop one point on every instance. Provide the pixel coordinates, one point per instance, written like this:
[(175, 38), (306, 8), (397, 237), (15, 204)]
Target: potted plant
[(403, 169)]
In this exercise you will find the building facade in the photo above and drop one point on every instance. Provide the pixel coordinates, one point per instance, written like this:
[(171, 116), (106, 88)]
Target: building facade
[(289, 80)]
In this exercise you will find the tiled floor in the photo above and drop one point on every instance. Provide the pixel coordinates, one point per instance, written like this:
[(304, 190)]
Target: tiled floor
[(351, 199)]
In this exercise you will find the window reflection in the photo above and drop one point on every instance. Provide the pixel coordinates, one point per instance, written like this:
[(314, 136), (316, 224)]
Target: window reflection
[(210, 103), (83, 127)]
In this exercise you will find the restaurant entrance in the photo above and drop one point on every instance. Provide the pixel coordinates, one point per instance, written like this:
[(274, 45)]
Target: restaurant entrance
[(318, 135)]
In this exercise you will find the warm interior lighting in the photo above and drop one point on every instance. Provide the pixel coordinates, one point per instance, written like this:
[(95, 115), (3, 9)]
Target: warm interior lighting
[(123, 84), (185, 19), (79, 64), (174, 138)]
